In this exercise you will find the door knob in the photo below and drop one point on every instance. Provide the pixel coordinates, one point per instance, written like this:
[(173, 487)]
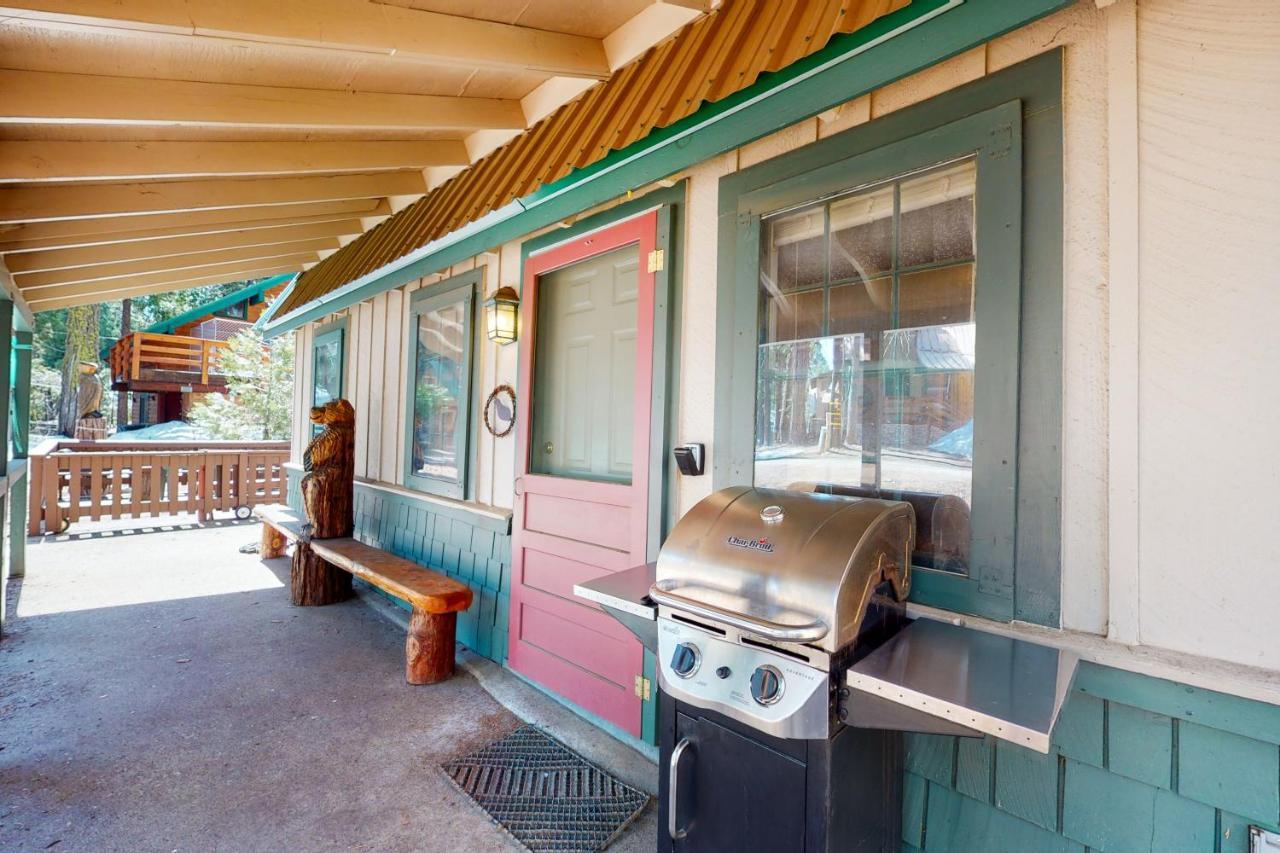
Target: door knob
[(548, 448)]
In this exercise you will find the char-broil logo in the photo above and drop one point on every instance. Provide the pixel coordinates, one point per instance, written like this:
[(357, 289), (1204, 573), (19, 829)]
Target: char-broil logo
[(761, 544)]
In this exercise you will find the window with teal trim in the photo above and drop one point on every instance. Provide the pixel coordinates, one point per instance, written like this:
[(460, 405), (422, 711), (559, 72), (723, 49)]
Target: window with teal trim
[(441, 328), (884, 286)]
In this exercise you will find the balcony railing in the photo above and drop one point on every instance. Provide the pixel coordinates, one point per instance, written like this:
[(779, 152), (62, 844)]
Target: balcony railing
[(149, 356), (90, 481)]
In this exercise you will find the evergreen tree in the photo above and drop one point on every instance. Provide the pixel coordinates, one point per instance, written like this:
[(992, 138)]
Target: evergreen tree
[(259, 402)]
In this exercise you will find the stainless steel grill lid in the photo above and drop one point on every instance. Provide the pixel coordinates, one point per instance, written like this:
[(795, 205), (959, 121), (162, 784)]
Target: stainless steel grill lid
[(786, 566)]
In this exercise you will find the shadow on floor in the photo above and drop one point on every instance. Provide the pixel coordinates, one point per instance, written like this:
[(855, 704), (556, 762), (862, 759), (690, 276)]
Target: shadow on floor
[(159, 693)]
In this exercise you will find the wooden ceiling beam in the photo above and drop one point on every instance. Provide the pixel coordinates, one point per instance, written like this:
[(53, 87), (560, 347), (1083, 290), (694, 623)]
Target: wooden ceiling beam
[(410, 35), (97, 160), (78, 232), (47, 97), (306, 249), (85, 256), (129, 288), (39, 202)]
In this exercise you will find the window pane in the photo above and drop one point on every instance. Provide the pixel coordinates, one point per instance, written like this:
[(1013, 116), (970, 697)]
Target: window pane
[(937, 217), (439, 380), (583, 417), (793, 249), (328, 371), (862, 235), (936, 297), (926, 435), (861, 308), (809, 417), (865, 380), (794, 316)]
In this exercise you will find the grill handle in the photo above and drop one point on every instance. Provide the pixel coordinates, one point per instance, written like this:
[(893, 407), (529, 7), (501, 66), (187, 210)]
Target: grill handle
[(673, 789), (777, 631)]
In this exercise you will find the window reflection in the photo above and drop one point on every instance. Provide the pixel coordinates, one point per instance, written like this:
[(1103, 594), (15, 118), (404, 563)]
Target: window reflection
[(438, 382), (865, 369)]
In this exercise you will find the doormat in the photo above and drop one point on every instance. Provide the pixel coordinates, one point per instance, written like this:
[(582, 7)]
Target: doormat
[(546, 795)]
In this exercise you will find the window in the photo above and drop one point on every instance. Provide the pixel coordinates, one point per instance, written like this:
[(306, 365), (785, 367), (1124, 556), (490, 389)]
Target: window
[(441, 333), (890, 324), (865, 372), (326, 363)]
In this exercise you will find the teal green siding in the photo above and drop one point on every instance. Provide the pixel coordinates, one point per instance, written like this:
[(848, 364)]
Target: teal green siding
[(467, 546), (1123, 776)]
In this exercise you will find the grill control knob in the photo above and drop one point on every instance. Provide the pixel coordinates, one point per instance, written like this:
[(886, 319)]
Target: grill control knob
[(766, 685), (685, 660)]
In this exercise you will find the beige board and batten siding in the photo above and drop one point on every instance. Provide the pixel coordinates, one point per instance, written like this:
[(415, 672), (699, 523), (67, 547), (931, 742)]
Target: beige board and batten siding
[(1189, 600)]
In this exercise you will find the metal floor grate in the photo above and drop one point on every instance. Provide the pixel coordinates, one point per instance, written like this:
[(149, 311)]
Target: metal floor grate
[(547, 796)]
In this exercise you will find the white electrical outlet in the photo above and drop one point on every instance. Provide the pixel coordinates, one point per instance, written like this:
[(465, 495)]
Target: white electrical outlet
[(1263, 841)]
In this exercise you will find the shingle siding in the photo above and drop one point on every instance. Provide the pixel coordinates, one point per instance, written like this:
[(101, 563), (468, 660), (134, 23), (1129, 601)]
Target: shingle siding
[(1129, 772)]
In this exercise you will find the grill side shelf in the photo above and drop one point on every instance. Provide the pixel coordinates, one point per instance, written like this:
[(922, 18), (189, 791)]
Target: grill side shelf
[(625, 596), (951, 679)]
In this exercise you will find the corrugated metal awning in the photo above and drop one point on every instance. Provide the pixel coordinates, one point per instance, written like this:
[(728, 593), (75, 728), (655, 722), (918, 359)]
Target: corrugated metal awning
[(711, 59)]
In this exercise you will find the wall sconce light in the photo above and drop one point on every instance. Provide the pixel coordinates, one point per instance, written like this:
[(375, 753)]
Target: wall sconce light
[(502, 315)]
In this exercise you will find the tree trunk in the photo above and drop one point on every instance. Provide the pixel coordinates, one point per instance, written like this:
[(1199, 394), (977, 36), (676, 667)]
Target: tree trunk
[(122, 397), (314, 582), (81, 345)]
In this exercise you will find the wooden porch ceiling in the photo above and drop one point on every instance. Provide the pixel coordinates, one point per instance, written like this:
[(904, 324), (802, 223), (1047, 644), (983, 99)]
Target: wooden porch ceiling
[(149, 145)]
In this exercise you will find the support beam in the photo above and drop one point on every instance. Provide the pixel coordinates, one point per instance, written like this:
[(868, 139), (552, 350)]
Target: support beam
[(97, 160), (86, 256), (47, 97), (38, 202), (80, 232), (114, 290), (409, 35), (32, 283)]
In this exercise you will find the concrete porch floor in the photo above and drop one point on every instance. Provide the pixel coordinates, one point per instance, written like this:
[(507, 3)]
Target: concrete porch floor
[(157, 692)]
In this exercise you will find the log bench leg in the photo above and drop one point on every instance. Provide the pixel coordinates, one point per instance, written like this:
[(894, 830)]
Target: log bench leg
[(273, 542), (428, 648), (314, 581)]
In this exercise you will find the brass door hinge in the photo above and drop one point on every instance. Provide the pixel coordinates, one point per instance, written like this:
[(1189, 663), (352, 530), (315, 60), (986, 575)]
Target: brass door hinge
[(643, 687), (656, 260)]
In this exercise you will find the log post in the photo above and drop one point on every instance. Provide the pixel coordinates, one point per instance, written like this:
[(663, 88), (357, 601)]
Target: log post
[(273, 542), (314, 581), (428, 647)]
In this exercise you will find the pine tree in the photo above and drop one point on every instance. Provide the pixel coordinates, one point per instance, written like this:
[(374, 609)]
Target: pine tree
[(258, 405)]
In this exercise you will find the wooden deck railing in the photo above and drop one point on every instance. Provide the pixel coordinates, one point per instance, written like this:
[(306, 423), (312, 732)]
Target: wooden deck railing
[(72, 481), (140, 351)]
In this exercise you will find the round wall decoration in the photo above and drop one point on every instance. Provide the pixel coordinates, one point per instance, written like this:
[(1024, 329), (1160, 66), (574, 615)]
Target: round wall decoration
[(500, 411)]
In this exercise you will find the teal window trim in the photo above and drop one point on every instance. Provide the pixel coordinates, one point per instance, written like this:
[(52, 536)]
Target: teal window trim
[(1011, 122), (464, 287)]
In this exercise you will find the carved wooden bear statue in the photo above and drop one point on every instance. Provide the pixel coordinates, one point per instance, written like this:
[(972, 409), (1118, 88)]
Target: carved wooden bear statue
[(330, 465)]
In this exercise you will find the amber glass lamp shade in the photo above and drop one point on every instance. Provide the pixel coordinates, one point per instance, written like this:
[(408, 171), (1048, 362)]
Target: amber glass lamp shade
[(502, 315)]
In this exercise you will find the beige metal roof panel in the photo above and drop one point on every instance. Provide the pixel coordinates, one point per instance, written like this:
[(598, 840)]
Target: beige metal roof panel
[(711, 58)]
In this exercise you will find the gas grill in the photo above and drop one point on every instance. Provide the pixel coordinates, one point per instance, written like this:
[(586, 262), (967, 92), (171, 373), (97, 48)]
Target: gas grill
[(765, 598), (788, 672)]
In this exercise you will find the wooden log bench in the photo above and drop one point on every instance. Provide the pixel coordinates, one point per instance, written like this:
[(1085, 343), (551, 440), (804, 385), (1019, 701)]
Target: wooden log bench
[(435, 598)]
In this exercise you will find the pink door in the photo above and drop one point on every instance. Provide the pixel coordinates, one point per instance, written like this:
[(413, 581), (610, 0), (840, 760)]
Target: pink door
[(582, 487)]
